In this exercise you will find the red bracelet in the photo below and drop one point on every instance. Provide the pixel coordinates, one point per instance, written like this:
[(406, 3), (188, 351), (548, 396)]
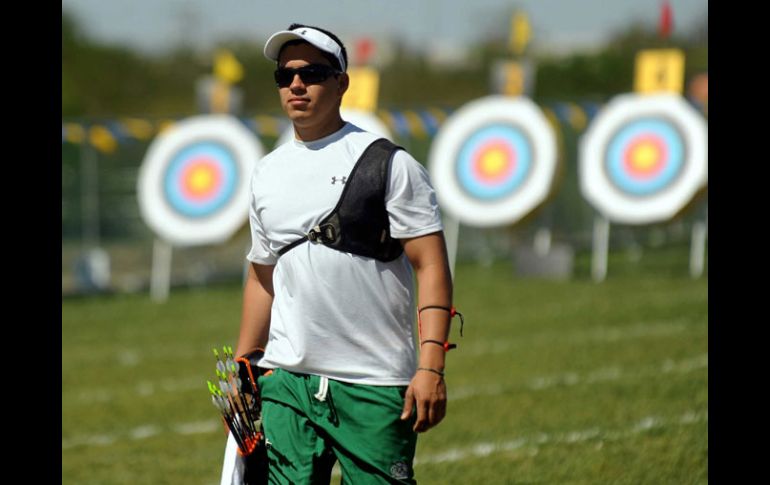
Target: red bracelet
[(452, 312), (446, 345)]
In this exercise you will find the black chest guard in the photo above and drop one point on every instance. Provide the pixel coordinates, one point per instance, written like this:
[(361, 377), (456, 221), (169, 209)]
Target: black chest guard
[(359, 223)]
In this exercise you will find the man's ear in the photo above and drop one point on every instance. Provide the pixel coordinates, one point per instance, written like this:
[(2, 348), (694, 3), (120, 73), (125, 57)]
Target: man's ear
[(344, 82)]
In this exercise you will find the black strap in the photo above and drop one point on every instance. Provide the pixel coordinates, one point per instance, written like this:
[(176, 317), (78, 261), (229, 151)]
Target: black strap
[(291, 246), (326, 231), (319, 232)]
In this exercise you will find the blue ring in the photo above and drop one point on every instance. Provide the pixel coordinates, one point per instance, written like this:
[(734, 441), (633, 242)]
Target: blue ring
[(614, 166), (519, 144), (172, 181)]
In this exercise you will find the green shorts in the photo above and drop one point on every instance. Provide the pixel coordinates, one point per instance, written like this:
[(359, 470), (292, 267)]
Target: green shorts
[(355, 424)]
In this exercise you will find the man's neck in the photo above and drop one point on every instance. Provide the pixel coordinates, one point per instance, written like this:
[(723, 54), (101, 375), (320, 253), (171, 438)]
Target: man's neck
[(313, 133)]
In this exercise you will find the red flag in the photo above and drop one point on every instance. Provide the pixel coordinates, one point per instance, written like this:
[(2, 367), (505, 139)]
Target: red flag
[(666, 20), (364, 50)]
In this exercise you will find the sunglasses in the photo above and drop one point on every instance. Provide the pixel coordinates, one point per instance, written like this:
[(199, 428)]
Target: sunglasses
[(310, 74)]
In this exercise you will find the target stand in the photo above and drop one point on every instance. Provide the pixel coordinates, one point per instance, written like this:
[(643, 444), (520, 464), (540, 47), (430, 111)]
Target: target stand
[(193, 187), (642, 160), (492, 163)]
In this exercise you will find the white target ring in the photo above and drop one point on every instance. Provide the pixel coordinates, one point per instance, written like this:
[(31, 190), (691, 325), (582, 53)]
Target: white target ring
[(363, 119), (193, 185), (493, 161), (644, 158)]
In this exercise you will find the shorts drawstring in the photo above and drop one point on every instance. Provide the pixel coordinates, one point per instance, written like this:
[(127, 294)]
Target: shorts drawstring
[(322, 395), (323, 389)]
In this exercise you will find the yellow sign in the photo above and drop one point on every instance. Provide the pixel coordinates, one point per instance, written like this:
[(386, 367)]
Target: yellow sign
[(227, 68), (520, 33), (659, 70), (220, 97), (363, 89), (514, 79)]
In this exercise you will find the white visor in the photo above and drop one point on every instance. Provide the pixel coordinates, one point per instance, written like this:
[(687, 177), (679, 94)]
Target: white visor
[(313, 36)]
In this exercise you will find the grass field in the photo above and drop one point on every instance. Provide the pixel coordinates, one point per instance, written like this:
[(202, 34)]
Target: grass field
[(554, 382)]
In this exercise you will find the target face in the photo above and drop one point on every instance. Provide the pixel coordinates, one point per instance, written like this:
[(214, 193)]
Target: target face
[(201, 179), (194, 182), (363, 119), (643, 158), (493, 161)]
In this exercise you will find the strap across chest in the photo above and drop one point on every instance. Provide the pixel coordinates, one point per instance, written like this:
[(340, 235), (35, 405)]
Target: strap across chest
[(359, 223)]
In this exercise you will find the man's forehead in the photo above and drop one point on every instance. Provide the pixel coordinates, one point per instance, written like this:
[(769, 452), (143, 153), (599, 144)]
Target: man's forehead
[(302, 52)]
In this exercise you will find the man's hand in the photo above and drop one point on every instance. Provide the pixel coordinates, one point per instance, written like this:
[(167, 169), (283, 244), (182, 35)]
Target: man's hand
[(426, 392), (249, 371)]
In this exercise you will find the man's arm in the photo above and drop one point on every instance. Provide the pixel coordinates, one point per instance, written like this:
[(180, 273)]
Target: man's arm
[(257, 302), (427, 391)]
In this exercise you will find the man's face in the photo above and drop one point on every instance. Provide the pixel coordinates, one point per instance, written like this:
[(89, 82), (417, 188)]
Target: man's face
[(309, 105)]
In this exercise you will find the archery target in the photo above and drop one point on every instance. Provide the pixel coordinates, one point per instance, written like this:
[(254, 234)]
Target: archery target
[(194, 182), (493, 161), (363, 119), (643, 158)]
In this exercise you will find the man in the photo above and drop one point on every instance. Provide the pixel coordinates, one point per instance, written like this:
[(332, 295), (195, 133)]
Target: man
[(337, 327)]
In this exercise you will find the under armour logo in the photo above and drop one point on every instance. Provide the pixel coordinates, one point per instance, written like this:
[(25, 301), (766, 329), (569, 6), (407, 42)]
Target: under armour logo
[(341, 179)]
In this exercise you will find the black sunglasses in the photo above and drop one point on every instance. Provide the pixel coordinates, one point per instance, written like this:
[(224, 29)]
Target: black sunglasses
[(310, 74)]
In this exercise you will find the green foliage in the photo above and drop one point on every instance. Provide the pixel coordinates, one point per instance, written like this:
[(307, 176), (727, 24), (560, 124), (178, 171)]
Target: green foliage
[(609, 71), (583, 76), (411, 82), (100, 80), (107, 81)]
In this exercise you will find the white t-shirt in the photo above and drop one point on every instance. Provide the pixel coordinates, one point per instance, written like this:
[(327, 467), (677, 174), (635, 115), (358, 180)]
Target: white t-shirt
[(336, 314)]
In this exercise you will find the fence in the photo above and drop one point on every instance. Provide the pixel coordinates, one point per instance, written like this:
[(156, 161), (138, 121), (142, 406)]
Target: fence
[(101, 160)]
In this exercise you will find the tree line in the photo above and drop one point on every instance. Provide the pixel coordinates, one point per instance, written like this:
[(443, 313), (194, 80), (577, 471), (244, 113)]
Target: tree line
[(107, 81)]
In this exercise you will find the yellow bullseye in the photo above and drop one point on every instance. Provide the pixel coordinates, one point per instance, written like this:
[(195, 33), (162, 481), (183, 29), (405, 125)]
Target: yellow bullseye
[(645, 156), (493, 162), (201, 179)]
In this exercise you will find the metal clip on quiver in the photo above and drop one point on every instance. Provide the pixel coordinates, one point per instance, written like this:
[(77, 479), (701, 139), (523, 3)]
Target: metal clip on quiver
[(359, 222)]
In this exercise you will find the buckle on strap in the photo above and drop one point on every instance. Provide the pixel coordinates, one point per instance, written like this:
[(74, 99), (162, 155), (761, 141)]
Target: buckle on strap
[(322, 233)]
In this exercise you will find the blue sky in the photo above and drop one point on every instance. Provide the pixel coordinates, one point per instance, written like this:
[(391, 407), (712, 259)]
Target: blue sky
[(152, 26)]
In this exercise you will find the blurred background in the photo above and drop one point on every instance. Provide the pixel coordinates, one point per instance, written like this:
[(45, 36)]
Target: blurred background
[(131, 70)]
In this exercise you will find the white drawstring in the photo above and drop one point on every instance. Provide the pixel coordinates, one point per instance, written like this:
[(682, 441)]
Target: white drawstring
[(323, 387)]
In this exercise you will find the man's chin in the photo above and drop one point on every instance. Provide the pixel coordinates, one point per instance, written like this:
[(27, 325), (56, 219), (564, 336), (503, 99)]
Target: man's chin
[(298, 114)]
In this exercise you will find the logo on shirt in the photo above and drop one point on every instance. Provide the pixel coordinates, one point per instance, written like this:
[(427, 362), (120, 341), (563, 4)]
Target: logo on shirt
[(339, 179)]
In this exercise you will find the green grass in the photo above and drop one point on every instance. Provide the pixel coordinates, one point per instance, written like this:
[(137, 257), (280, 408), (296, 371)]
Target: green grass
[(554, 382)]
